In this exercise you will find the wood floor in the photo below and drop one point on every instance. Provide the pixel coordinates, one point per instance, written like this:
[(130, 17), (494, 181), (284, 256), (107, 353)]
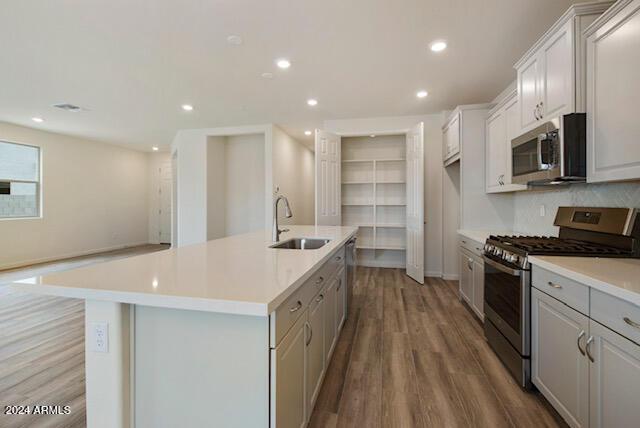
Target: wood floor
[(414, 356), (42, 346)]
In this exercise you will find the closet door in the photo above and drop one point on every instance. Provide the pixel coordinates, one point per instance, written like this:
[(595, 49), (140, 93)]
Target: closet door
[(415, 203), (328, 199)]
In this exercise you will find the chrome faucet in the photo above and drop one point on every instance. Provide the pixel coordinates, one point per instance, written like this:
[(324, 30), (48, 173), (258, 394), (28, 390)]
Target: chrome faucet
[(287, 213)]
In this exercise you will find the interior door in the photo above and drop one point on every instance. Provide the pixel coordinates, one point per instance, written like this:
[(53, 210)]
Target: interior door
[(415, 203), (164, 209), (328, 199)]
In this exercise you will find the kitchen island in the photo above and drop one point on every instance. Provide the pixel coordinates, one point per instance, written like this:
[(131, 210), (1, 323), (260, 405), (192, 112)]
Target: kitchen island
[(226, 333)]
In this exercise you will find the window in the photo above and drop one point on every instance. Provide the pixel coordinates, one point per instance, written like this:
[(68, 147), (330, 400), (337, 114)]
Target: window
[(19, 180)]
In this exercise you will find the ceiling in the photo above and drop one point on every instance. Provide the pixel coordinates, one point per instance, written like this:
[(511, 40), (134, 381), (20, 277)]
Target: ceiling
[(132, 64)]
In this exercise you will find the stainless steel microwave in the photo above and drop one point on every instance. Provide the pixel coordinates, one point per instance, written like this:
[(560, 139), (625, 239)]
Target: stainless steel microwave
[(553, 153)]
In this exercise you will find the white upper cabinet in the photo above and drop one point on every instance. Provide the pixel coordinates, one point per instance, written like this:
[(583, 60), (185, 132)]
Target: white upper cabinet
[(551, 74), (451, 139), (613, 61), (501, 128)]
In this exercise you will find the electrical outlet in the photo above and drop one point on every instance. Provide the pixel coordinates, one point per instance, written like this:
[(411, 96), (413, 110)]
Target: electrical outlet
[(100, 337)]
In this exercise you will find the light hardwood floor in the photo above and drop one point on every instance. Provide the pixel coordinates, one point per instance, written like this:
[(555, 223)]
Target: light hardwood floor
[(42, 346), (414, 356)]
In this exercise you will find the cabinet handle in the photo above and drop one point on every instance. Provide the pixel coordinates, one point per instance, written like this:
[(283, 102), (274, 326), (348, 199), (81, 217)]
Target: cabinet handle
[(463, 241), (540, 112), (310, 333), (580, 336), (319, 280), (588, 348), (631, 322), (556, 286), (535, 112), (320, 298), (338, 258), (296, 308), (470, 264), (339, 285)]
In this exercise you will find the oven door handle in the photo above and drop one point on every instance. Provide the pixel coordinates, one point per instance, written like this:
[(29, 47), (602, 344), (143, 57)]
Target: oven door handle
[(501, 267)]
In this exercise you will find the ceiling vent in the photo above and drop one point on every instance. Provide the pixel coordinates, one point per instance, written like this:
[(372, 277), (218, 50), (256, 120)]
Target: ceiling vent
[(68, 107)]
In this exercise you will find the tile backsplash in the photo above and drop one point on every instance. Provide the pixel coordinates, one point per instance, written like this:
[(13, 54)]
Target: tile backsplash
[(528, 204)]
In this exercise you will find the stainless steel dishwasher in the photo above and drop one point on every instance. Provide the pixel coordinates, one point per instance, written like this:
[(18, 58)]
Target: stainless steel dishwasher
[(351, 270)]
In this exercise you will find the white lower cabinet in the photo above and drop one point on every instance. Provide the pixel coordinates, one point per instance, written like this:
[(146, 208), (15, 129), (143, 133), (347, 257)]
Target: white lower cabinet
[(472, 281), (288, 370), (341, 302), (589, 373), (330, 318), (315, 354), (559, 369), (614, 379)]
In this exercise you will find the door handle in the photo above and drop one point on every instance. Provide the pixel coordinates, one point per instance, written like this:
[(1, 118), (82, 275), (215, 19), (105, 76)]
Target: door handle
[(588, 348), (310, 333), (580, 336)]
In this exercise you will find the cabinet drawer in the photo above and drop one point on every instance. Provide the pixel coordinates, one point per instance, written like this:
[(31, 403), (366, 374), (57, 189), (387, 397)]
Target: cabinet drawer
[(283, 318), (617, 314), (569, 292), (475, 248)]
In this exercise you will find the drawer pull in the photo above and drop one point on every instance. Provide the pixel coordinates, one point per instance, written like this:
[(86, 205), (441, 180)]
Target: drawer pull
[(320, 298), (310, 333), (556, 286), (339, 285), (631, 322), (338, 258), (588, 348), (296, 308), (464, 242), (319, 280), (580, 336)]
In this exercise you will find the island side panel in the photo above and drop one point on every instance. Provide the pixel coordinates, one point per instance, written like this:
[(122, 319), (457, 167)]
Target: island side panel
[(197, 369), (108, 373)]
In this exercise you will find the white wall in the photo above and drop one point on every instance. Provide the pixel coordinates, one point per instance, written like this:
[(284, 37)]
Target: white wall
[(432, 165), (451, 220), (244, 199), (216, 186), (294, 174), (94, 198)]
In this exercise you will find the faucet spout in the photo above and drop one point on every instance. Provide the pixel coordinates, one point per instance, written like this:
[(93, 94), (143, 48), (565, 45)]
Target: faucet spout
[(275, 235)]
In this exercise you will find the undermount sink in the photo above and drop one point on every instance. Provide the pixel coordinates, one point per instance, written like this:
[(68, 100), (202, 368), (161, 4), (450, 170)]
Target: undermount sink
[(301, 244)]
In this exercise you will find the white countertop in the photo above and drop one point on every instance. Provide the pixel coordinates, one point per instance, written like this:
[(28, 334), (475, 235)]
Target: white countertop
[(235, 275), (617, 277), (482, 235)]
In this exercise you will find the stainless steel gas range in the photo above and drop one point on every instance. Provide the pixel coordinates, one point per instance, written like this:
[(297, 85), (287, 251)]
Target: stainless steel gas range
[(588, 232)]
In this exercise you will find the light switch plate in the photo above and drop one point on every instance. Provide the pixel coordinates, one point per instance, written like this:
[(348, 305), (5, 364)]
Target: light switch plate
[(99, 337)]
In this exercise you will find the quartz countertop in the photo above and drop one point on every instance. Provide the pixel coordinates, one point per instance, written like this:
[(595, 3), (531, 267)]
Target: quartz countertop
[(617, 277), (235, 275), (482, 235)]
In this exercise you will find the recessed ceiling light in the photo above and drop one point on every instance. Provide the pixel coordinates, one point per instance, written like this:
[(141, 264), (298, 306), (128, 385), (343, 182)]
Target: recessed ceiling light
[(283, 63), (312, 102), (154, 148), (307, 132), (234, 39), (267, 75), (438, 45), (187, 107), (37, 119), (421, 94)]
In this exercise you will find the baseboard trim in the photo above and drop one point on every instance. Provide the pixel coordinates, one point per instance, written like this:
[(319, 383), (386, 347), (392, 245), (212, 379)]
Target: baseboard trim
[(450, 277), (381, 264), (23, 263), (433, 274)]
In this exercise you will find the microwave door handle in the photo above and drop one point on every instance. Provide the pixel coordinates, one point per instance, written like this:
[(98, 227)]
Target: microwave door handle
[(541, 166)]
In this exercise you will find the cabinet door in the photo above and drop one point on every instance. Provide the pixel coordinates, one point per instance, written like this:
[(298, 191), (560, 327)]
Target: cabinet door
[(478, 288), (288, 388), (328, 181), (315, 355), (330, 317), (558, 82), (559, 368), (513, 130), (496, 155), (613, 90), (529, 90), (454, 136), (614, 379), (341, 302), (466, 277)]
